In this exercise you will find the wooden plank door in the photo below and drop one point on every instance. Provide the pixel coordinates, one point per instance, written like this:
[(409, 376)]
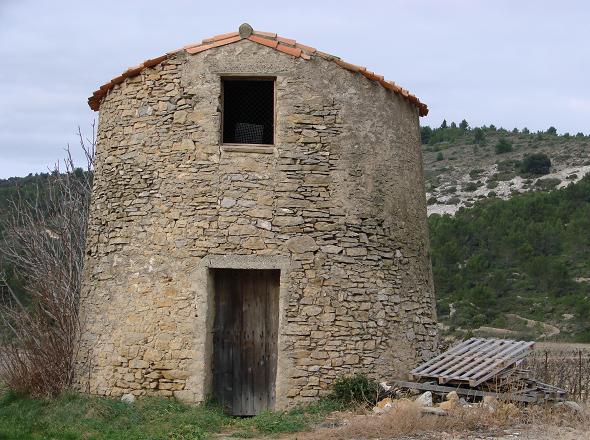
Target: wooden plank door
[(245, 339)]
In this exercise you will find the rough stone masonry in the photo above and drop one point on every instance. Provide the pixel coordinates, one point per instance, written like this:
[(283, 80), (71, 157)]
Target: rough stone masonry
[(337, 204)]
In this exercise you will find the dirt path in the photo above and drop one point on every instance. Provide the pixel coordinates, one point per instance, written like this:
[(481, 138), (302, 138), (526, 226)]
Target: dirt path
[(548, 329)]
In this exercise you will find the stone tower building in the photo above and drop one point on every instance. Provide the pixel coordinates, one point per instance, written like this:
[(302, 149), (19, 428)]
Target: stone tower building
[(258, 227)]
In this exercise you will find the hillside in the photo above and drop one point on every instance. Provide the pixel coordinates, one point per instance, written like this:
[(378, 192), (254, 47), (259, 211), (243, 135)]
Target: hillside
[(518, 267), (463, 165), (32, 189)]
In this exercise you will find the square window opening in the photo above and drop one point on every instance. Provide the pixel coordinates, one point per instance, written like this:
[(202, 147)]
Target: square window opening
[(248, 111)]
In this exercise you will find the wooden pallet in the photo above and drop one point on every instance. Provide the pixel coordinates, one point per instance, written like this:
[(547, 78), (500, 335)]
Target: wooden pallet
[(473, 361), (531, 391)]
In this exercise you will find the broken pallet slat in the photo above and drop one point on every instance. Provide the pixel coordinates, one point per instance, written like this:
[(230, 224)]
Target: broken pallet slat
[(431, 386)]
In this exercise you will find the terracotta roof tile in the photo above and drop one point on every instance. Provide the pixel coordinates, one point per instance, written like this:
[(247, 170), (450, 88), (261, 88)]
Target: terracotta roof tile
[(288, 41), (348, 66), (152, 62), (265, 41), (295, 51), (305, 48), (372, 75), (215, 43), (266, 34), (118, 79), (285, 45), (220, 37), (200, 48), (132, 71)]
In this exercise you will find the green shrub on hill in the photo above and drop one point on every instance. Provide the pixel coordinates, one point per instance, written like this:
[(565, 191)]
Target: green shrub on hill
[(537, 163), (503, 146)]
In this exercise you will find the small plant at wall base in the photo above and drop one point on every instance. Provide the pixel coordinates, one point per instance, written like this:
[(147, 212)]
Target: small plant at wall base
[(43, 245), (357, 389)]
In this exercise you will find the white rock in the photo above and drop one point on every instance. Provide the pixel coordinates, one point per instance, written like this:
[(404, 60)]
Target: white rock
[(570, 405), (384, 386), (425, 399), (128, 398), (383, 410)]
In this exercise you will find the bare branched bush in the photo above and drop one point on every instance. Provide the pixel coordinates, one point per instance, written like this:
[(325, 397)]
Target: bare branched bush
[(567, 368), (44, 244)]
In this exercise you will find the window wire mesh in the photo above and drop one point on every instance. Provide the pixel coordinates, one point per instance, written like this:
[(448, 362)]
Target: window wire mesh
[(248, 111), (249, 133)]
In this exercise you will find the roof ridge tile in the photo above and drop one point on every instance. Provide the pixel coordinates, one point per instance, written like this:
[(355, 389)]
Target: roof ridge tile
[(266, 34), (265, 41), (295, 51), (220, 37)]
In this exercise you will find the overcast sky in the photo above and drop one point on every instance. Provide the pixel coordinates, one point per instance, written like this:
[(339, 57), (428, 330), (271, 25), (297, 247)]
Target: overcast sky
[(511, 63)]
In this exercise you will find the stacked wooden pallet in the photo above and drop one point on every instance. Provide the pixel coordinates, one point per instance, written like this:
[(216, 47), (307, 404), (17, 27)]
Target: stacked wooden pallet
[(481, 367)]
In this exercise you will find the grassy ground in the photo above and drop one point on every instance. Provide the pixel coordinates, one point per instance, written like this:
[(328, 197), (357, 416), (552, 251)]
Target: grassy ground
[(75, 416)]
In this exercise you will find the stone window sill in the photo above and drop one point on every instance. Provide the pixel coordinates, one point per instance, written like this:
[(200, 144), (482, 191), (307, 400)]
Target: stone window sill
[(248, 148)]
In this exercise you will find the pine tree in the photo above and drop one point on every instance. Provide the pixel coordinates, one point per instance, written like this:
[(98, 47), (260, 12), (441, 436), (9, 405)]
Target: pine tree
[(479, 136)]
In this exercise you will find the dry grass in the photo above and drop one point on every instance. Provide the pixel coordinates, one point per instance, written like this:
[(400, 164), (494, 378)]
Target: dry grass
[(406, 419)]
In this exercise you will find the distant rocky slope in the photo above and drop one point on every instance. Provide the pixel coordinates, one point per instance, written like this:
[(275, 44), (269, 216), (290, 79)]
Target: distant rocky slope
[(512, 264), (464, 165)]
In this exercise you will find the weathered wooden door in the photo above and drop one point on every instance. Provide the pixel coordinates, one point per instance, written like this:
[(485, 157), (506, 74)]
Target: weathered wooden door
[(245, 339)]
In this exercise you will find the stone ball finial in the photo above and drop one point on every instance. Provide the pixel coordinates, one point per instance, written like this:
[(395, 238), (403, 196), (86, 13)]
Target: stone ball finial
[(245, 30)]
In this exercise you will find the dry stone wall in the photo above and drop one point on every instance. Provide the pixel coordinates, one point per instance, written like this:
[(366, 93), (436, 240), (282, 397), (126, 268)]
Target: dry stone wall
[(337, 204)]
